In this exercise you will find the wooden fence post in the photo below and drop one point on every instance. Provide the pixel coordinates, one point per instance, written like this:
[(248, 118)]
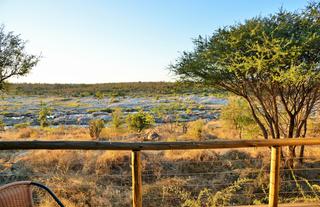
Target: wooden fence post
[(136, 179), (274, 184)]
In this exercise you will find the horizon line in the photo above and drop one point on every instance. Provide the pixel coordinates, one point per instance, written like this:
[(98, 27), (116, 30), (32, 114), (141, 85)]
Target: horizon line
[(92, 83)]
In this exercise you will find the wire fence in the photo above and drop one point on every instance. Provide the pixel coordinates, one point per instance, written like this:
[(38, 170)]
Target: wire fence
[(78, 178), (170, 178)]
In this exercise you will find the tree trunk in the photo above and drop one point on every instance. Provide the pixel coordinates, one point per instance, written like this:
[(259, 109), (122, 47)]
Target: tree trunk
[(301, 154), (292, 156), (291, 126), (261, 126), (291, 149)]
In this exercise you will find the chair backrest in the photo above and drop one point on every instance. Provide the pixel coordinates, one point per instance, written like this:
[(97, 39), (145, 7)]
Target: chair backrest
[(16, 194)]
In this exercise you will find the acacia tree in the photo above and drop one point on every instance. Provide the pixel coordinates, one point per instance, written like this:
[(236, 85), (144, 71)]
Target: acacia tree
[(14, 60), (272, 62)]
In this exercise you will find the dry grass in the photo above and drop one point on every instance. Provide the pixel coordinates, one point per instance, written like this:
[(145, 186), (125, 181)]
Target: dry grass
[(47, 202), (58, 133), (167, 132), (102, 178)]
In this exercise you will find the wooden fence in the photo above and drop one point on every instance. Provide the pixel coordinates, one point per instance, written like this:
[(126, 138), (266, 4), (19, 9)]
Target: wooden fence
[(137, 147)]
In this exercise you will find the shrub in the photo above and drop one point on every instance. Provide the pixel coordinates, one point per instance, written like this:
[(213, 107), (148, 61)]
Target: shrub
[(108, 110), (140, 121), (189, 111), (117, 120), (99, 95), (237, 114), (90, 111), (95, 128), (72, 104), (196, 128), (44, 112), (2, 125)]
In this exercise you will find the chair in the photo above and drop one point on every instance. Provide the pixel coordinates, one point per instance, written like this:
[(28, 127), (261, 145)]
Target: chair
[(19, 194)]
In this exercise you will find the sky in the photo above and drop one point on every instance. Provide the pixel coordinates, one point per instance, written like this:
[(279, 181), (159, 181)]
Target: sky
[(99, 41)]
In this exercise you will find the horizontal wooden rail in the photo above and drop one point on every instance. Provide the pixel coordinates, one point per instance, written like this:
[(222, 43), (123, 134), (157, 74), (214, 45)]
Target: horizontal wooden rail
[(135, 146)]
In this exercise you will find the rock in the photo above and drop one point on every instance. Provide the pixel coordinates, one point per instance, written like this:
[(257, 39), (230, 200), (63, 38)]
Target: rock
[(99, 113), (153, 136), (20, 109), (83, 120)]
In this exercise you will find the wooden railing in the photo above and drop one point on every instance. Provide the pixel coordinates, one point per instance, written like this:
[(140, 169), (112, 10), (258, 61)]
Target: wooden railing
[(137, 147)]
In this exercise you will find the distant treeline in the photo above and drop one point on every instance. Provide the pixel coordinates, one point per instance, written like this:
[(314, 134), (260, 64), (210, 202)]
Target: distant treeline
[(110, 89)]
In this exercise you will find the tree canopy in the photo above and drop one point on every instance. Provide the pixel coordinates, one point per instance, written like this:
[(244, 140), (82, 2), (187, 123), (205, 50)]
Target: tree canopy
[(272, 62), (14, 60)]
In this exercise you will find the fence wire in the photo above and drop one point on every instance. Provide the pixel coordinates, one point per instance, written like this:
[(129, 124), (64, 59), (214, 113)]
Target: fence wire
[(170, 178)]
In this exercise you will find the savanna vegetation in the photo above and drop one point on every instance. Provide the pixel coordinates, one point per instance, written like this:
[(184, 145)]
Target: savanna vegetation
[(111, 89), (172, 178), (267, 68)]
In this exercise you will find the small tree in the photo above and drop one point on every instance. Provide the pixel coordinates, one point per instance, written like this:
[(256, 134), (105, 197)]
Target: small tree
[(44, 112), (117, 120), (95, 128), (14, 60), (140, 120), (237, 114)]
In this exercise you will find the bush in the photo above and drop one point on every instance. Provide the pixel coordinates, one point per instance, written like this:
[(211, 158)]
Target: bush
[(95, 128), (140, 121), (196, 128), (90, 111), (237, 115), (44, 112), (99, 95), (108, 110), (2, 125), (117, 120)]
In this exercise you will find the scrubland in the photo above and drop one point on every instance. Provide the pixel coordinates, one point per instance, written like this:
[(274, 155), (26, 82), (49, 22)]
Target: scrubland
[(192, 178)]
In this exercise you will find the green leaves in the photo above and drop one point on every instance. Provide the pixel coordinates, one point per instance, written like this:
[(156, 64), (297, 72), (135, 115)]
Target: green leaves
[(117, 118), (44, 112), (140, 120), (14, 61), (273, 62), (237, 114), (260, 48)]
